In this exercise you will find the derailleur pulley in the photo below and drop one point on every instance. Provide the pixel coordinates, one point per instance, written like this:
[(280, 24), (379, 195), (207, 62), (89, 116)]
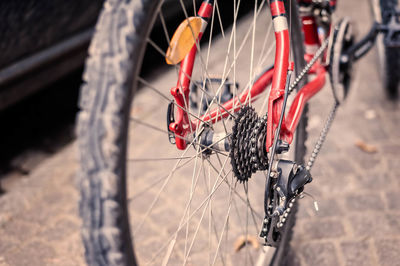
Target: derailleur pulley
[(288, 182)]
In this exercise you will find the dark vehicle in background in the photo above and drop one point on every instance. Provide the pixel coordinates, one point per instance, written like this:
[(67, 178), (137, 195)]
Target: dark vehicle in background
[(43, 47), (42, 41)]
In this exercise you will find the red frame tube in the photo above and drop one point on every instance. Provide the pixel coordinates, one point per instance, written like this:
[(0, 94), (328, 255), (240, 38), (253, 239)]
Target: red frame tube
[(276, 76), (233, 105), (282, 49), (183, 126)]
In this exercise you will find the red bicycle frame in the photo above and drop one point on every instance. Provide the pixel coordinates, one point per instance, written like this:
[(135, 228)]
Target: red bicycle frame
[(276, 77)]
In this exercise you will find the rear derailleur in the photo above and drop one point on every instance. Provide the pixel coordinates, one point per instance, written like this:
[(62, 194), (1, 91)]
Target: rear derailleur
[(286, 182)]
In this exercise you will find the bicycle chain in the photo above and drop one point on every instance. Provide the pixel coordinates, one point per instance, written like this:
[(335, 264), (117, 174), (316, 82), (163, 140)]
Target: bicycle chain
[(247, 145), (259, 154), (331, 116), (322, 137), (280, 221), (308, 66)]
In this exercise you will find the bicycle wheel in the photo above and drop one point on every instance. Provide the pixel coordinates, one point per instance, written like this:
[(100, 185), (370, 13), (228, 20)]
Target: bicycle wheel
[(143, 201), (389, 57)]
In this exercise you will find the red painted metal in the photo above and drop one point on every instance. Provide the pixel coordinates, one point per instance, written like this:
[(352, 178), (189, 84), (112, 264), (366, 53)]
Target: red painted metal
[(275, 99), (277, 8), (311, 38), (182, 125), (297, 106), (205, 10), (276, 76), (282, 48), (311, 43), (234, 105)]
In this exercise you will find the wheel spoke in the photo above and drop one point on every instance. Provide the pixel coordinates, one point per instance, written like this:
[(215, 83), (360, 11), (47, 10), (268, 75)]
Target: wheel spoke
[(173, 236), (189, 200), (259, 216), (215, 95), (191, 142)]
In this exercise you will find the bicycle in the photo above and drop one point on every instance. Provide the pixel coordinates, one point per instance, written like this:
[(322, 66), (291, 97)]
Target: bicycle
[(245, 151)]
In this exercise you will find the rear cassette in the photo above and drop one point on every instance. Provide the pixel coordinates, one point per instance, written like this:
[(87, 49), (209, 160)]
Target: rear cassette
[(248, 144)]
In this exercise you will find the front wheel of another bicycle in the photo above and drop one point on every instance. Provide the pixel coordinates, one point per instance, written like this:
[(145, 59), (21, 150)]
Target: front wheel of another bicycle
[(389, 56), (143, 201)]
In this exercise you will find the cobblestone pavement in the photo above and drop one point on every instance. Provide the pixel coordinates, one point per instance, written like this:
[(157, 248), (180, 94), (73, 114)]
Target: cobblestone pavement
[(358, 193)]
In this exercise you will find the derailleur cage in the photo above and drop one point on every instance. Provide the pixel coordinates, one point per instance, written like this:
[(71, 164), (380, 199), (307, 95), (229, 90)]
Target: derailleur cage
[(290, 179)]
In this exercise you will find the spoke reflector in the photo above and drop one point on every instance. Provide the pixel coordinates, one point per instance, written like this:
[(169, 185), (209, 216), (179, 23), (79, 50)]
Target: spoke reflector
[(183, 40)]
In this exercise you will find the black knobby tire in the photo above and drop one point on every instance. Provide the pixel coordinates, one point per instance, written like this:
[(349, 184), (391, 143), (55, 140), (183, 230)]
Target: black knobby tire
[(114, 63), (102, 128)]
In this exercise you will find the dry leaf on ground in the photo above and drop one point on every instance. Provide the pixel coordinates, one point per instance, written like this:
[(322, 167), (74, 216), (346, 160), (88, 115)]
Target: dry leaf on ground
[(366, 147), (243, 240)]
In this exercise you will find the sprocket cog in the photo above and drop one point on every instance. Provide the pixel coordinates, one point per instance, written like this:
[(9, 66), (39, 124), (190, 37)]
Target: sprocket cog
[(248, 153)]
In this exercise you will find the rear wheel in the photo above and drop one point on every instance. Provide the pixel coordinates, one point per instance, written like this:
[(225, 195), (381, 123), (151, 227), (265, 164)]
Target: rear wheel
[(142, 200)]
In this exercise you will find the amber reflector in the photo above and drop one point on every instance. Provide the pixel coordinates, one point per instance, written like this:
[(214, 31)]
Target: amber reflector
[(183, 40)]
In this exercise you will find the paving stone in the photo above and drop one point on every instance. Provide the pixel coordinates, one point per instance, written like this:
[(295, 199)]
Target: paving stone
[(317, 254), (3, 262), (323, 229), (341, 166), (388, 252), (327, 207), (35, 253), (11, 203), (36, 215), (391, 149), (62, 228), (366, 161), (7, 243), (373, 131), (375, 225), (393, 221), (4, 218), (72, 247), (62, 261), (357, 253), (364, 202), (393, 200), (21, 230), (366, 225), (393, 164), (374, 179), (393, 167)]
